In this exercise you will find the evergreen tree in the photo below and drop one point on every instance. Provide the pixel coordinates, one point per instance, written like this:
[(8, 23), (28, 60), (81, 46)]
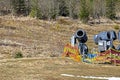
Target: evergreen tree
[(84, 12), (19, 7), (54, 10), (110, 7), (35, 11), (63, 9), (73, 6)]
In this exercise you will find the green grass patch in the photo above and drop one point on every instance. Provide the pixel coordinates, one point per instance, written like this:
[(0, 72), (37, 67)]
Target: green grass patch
[(18, 55), (116, 27)]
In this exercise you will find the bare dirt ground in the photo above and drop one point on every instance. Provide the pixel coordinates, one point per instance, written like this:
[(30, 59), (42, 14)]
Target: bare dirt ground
[(41, 43)]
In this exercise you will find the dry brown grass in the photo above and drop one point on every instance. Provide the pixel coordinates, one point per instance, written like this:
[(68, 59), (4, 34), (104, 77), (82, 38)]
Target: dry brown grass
[(43, 38), (51, 69), (38, 38)]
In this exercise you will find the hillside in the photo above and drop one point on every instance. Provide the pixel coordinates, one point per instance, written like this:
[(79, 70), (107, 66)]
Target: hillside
[(39, 38), (41, 43)]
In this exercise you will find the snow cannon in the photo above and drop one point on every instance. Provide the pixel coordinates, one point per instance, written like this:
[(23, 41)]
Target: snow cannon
[(80, 36), (105, 39), (118, 47), (77, 49)]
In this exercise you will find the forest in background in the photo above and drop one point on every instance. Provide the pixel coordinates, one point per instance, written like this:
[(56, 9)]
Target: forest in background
[(51, 9)]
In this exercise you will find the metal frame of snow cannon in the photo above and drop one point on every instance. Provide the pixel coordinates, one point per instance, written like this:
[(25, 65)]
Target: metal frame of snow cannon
[(118, 47), (104, 40), (80, 37)]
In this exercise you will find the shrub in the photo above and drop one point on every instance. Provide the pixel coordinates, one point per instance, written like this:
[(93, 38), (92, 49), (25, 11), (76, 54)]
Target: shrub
[(18, 55), (116, 27)]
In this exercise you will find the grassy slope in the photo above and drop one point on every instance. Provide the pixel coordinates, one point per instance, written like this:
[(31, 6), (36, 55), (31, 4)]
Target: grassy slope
[(37, 38)]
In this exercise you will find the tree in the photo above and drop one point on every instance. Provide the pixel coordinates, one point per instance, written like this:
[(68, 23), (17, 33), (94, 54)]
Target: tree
[(97, 8), (117, 9), (48, 9), (19, 7), (84, 12), (28, 8), (110, 5), (35, 10), (73, 7), (5, 7), (63, 8)]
